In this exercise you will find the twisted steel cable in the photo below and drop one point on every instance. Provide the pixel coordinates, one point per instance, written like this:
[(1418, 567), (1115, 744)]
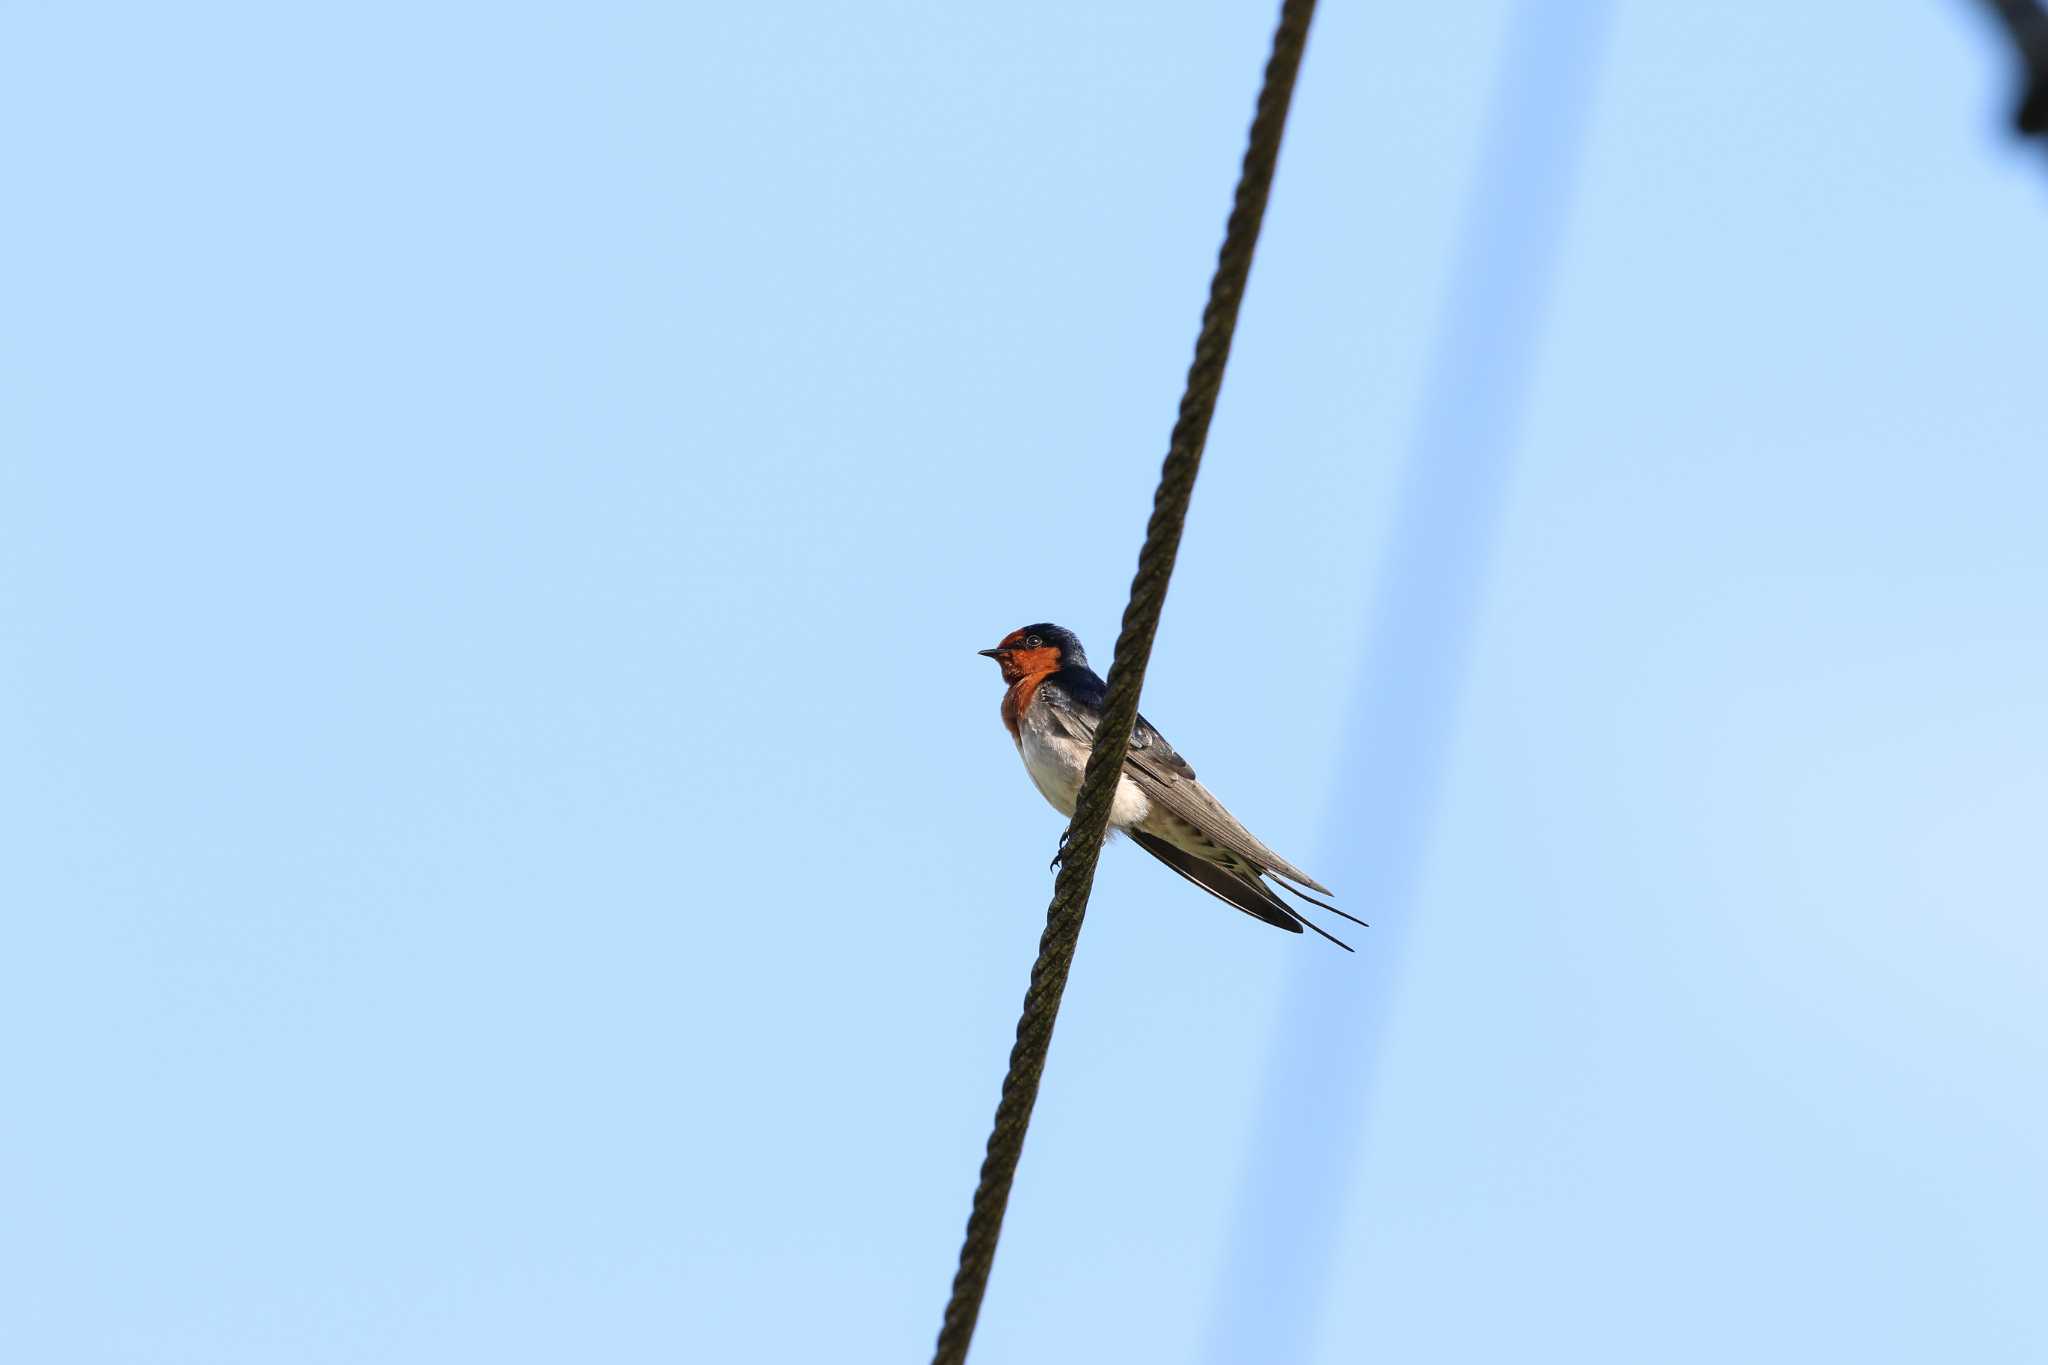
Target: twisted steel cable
[(1085, 832)]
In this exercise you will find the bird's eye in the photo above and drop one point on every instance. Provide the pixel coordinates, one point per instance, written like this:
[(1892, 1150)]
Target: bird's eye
[(1032, 642)]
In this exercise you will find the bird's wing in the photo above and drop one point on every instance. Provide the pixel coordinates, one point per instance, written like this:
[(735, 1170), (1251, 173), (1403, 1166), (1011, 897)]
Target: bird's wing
[(1253, 897), (1169, 782), (1247, 893)]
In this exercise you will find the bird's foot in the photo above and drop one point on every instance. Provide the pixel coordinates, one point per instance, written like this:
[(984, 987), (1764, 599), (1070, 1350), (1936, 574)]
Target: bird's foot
[(1060, 854)]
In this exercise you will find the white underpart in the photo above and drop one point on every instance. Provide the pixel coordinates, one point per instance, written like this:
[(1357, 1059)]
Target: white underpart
[(1056, 763)]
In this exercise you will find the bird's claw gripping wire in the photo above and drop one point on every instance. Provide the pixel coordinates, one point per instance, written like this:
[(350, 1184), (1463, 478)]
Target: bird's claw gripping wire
[(1059, 855)]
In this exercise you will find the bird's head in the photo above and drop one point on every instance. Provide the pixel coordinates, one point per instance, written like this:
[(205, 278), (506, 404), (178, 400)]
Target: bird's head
[(1032, 650)]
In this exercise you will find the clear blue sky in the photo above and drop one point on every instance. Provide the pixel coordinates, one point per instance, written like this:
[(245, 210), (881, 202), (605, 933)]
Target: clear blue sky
[(509, 855)]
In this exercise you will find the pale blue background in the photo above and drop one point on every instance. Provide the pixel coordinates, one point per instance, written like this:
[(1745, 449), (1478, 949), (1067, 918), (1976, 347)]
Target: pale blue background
[(508, 851)]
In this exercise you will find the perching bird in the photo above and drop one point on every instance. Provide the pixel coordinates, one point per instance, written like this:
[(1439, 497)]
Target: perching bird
[(1051, 710)]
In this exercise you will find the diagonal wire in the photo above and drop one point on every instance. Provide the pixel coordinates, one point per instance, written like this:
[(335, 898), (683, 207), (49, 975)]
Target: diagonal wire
[(1126, 676)]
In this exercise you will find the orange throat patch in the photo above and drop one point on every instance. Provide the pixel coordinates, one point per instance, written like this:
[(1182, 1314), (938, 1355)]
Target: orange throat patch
[(1018, 698), (1024, 670)]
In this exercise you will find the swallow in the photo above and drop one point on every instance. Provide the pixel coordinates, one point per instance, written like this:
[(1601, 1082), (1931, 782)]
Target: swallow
[(1052, 707)]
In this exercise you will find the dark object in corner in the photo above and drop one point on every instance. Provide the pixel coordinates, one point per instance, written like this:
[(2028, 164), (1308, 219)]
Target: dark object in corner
[(2026, 23)]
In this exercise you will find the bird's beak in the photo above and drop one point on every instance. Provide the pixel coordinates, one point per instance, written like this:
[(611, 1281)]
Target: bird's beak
[(992, 653)]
